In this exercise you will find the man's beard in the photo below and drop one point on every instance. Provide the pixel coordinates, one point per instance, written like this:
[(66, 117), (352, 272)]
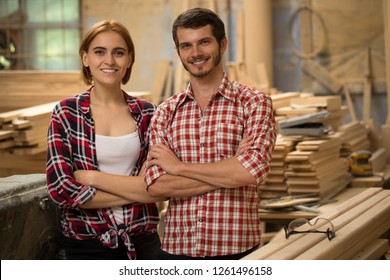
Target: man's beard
[(203, 74)]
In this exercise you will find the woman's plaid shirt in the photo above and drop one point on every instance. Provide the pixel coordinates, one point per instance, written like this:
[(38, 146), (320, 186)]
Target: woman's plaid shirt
[(225, 221), (71, 146)]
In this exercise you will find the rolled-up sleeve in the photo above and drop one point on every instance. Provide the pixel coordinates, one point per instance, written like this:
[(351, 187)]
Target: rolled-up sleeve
[(157, 135), (261, 124), (63, 189)]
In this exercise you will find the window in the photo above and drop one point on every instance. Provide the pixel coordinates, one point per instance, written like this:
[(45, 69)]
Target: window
[(40, 34)]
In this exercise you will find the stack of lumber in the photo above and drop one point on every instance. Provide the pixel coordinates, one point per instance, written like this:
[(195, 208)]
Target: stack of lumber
[(308, 104), (24, 131), (360, 224), (316, 168), (275, 184), (354, 137), (23, 140), (283, 99)]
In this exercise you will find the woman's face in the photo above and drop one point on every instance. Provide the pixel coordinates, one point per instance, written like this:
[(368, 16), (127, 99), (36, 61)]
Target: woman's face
[(107, 58)]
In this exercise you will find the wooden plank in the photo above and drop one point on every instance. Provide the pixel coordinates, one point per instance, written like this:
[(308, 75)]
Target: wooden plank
[(313, 165), (289, 111), (373, 233), (318, 145), (311, 155), (5, 134), (378, 160), (27, 113), (21, 124), (330, 102), (283, 99), (160, 81), (352, 228), (322, 188), (5, 144), (271, 248), (323, 170), (373, 251), (367, 182), (168, 91), (317, 71), (20, 89), (367, 87), (262, 75), (317, 246), (350, 104)]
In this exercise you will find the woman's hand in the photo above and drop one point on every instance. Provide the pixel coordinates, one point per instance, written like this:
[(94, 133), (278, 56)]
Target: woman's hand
[(86, 177)]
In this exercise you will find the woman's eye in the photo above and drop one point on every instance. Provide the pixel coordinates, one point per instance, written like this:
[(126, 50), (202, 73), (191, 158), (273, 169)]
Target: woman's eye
[(119, 53), (99, 52)]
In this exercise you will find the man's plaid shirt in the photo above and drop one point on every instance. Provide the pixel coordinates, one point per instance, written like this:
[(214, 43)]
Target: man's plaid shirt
[(224, 221)]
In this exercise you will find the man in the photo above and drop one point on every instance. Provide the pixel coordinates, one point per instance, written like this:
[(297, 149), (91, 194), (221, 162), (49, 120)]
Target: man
[(194, 135)]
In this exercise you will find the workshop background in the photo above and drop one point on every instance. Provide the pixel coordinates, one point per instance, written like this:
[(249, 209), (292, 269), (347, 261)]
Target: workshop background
[(324, 64)]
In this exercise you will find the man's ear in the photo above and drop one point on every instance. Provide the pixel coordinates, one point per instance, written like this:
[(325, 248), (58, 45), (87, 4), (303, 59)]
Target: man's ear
[(224, 43)]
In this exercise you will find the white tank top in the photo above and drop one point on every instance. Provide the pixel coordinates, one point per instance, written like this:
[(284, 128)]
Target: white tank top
[(118, 155)]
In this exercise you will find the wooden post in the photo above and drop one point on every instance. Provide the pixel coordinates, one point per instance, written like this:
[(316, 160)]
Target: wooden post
[(305, 20), (258, 36)]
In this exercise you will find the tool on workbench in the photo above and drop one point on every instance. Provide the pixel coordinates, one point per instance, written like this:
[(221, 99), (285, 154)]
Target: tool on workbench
[(303, 225), (359, 163)]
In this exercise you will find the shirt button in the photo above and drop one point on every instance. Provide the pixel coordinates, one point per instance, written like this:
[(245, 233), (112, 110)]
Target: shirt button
[(200, 220), (202, 144)]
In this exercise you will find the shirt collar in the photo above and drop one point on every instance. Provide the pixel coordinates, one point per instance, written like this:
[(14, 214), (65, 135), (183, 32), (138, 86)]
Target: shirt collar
[(85, 101), (225, 89)]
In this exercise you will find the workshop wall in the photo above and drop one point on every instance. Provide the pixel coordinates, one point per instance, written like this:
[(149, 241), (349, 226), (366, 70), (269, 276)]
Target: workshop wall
[(343, 34)]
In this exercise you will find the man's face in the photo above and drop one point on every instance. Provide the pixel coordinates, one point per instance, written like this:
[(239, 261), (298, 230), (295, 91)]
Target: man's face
[(199, 50)]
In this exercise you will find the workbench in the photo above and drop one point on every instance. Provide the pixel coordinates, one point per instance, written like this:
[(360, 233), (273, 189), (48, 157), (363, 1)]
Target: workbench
[(359, 223), (277, 219)]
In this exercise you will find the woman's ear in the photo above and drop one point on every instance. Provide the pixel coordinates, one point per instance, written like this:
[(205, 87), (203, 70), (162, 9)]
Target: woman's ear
[(85, 59)]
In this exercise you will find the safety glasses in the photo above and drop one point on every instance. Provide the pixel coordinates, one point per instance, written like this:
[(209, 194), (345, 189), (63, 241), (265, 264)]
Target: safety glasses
[(303, 225)]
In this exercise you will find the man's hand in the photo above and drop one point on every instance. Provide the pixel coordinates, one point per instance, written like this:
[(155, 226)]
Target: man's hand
[(162, 156)]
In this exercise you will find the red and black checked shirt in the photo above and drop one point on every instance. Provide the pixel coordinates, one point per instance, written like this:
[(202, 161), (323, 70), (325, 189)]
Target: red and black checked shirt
[(224, 221), (71, 146)]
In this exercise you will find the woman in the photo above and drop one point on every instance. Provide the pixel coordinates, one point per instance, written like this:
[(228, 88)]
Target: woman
[(103, 129)]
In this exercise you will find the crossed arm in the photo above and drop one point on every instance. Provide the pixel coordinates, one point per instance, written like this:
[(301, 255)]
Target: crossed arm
[(197, 178), (115, 189), (133, 188)]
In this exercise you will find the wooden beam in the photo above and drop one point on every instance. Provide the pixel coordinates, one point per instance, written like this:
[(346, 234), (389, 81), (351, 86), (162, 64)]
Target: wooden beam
[(268, 251)]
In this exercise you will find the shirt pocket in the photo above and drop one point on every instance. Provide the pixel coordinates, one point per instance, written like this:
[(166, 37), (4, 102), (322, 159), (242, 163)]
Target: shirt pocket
[(228, 137)]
